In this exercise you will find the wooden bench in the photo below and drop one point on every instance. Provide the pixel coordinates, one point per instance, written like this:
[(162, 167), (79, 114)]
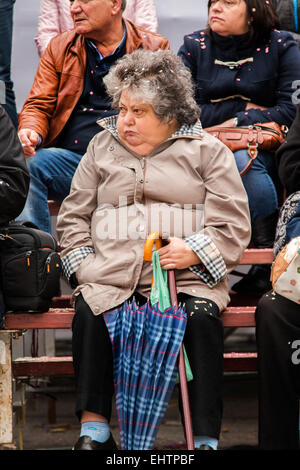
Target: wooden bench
[(240, 313), (61, 314)]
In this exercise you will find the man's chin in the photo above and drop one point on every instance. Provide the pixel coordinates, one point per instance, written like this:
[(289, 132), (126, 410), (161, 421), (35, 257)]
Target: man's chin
[(81, 29)]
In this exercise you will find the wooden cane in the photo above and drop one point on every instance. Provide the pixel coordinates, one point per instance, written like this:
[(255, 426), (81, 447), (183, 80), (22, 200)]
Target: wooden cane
[(155, 237)]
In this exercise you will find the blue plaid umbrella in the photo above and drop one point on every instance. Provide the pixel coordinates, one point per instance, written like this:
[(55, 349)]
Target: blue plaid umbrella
[(146, 343)]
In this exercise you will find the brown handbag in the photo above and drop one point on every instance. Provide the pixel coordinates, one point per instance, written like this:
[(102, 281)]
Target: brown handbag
[(267, 136)]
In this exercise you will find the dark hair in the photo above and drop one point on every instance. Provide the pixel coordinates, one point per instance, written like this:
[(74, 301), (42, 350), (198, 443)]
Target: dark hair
[(263, 18)]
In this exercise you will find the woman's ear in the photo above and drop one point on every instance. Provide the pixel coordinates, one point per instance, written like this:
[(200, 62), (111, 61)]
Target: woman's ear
[(173, 125)]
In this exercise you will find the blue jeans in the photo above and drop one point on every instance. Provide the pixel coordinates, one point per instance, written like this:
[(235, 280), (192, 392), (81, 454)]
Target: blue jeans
[(259, 183), (6, 28), (51, 172)]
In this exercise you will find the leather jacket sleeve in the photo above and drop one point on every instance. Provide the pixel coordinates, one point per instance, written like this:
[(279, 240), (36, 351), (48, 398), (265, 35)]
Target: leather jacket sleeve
[(14, 176)]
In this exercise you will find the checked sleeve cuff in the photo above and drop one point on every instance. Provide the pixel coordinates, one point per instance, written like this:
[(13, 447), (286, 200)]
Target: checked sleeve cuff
[(212, 268), (72, 261)]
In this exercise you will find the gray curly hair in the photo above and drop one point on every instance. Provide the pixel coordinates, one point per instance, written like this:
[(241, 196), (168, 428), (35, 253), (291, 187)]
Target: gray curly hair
[(157, 78)]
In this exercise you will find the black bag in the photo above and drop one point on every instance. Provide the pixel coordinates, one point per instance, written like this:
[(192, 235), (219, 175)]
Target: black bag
[(30, 267)]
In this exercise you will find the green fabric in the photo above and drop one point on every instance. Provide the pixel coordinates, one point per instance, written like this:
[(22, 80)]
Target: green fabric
[(188, 370), (160, 293), (160, 289)]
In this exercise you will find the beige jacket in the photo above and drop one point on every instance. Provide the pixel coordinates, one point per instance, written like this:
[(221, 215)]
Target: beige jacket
[(115, 201)]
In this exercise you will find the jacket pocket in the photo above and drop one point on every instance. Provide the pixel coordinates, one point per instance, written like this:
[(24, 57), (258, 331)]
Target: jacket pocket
[(84, 273)]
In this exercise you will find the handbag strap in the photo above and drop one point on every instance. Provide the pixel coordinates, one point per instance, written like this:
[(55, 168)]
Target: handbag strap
[(252, 152)]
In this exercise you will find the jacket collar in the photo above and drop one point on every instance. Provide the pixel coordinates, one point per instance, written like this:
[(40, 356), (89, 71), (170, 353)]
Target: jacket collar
[(194, 131), (133, 39), (233, 47)]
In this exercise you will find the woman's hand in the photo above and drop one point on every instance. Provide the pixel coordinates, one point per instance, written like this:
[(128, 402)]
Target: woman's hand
[(228, 123), (232, 122), (177, 255), (254, 106)]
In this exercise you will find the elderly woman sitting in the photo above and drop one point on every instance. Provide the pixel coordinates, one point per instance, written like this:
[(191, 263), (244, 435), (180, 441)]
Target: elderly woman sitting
[(154, 151)]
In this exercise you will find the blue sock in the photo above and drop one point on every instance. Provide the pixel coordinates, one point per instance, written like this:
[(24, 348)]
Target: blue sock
[(210, 441), (96, 430)]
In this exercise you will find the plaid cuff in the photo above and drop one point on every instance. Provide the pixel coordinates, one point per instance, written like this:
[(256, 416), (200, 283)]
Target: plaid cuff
[(72, 261), (214, 267)]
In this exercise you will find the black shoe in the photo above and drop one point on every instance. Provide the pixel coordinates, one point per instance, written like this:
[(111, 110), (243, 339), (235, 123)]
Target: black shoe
[(205, 447), (86, 443), (255, 282)]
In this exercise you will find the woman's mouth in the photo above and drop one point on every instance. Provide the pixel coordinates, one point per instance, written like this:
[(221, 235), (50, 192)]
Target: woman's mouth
[(216, 18), (129, 132)]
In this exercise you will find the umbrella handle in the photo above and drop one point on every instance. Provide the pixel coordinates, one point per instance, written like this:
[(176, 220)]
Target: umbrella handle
[(152, 237)]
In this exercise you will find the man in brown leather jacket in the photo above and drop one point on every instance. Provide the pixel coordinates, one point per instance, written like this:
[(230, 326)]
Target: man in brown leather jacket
[(68, 97)]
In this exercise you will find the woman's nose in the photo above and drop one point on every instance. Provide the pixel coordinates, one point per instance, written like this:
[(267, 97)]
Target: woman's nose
[(216, 5), (128, 119)]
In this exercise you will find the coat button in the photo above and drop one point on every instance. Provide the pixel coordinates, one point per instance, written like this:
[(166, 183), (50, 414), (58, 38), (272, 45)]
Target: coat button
[(111, 148), (96, 309)]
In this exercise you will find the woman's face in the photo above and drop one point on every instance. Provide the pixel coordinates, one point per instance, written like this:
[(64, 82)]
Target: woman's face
[(228, 17), (138, 126)]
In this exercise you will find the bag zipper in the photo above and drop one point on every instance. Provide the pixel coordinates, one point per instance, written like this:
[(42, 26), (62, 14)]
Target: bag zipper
[(48, 261), (28, 255), (264, 128)]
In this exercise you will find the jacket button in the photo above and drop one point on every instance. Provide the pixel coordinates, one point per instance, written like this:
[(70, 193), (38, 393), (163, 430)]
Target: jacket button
[(96, 309), (111, 148)]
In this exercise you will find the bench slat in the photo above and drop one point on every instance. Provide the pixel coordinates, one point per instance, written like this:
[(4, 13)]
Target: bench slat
[(62, 319), (43, 366), (53, 319), (257, 256), (238, 317), (53, 208), (63, 365)]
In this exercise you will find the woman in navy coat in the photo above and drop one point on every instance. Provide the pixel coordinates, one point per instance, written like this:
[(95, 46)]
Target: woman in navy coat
[(245, 71)]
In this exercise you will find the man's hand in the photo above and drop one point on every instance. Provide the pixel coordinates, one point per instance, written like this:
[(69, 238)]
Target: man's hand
[(29, 140), (177, 255)]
